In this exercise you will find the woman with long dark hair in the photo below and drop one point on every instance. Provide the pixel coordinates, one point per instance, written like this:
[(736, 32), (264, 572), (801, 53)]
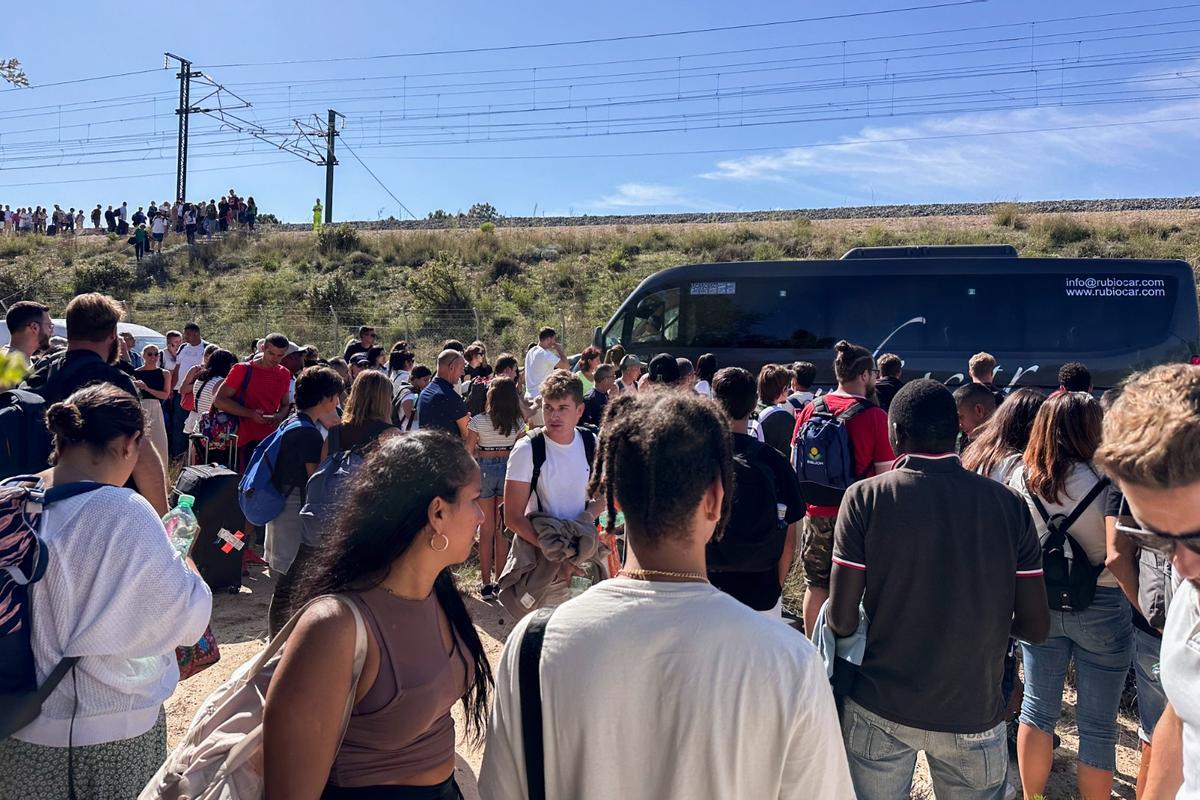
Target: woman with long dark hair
[(1056, 478), (490, 438), (391, 553), (999, 444)]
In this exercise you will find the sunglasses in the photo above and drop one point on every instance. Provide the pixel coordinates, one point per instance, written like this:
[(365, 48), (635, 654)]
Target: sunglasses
[(1161, 542)]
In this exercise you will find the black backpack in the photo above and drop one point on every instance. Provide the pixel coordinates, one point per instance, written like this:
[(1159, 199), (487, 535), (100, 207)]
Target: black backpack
[(1070, 581), (752, 541), (24, 440)]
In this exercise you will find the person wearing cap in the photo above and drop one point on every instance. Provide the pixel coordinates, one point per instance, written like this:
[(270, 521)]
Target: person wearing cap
[(358, 362), (631, 370), (257, 393), (663, 373)]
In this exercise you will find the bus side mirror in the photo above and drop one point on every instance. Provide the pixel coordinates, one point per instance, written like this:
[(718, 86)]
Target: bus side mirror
[(598, 338)]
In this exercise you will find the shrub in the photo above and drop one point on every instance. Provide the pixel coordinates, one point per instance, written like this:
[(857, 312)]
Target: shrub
[(487, 227), (1008, 215), (439, 285), (485, 212), (1061, 230), (334, 291), (108, 276), (338, 238), (505, 267)]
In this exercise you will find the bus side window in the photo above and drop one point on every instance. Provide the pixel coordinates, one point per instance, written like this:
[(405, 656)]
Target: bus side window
[(656, 318)]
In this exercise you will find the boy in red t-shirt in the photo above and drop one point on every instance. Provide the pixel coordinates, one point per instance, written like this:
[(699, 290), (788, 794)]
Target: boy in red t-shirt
[(263, 404), (868, 431)]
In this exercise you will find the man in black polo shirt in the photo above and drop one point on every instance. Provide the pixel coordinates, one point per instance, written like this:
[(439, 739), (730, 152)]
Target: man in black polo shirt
[(91, 349), (596, 399), (946, 565), (439, 407)]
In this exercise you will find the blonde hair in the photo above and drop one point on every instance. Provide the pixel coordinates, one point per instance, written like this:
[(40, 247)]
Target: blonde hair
[(1152, 432), (981, 364), (370, 399)]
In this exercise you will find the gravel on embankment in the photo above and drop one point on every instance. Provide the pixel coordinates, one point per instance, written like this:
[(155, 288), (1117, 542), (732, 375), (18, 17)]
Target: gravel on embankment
[(783, 215)]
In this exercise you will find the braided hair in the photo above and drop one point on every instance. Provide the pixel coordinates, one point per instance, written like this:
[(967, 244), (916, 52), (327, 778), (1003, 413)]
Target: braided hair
[(658, 454)]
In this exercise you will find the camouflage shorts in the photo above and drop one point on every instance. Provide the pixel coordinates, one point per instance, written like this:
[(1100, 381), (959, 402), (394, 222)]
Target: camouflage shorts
[(816, 550)]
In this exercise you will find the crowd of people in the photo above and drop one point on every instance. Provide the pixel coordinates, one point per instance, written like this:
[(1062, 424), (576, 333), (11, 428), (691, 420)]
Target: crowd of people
[(147, 226), (962, 551)]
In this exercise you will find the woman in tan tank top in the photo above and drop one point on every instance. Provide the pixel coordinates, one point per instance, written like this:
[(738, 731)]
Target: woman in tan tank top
[(411, 517)]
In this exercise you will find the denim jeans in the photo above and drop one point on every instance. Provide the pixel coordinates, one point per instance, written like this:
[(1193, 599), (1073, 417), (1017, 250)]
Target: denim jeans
[(883, 755), (1100, 639), (492, 471), (1151, 698)]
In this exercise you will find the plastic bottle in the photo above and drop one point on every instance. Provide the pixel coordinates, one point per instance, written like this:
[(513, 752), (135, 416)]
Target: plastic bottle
[(182, 525)]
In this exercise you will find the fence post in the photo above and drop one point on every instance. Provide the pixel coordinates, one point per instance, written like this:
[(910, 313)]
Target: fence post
[(336, 331), (475, 311), (562, 315), (407, 328), (262, 313)]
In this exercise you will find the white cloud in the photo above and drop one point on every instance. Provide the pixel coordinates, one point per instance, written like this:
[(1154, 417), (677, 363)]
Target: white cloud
[(644, 195), (905, 159)]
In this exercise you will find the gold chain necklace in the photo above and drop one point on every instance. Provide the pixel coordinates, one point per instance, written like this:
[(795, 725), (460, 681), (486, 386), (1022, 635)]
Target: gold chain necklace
[(644, 574)]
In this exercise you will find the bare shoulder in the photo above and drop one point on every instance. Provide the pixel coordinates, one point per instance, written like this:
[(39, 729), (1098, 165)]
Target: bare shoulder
[(328, 626)]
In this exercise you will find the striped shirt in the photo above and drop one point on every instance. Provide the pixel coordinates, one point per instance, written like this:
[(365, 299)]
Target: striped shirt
[(491, 439)]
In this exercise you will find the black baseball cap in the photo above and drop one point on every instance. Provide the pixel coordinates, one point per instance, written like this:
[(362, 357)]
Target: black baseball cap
[(664, 368)]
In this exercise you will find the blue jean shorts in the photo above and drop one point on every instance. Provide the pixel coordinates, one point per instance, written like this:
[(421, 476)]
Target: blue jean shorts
[(491, 473), (1100, 640)]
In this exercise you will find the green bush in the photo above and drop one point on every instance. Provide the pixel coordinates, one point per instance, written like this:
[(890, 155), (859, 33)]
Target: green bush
[(335, 292), (1061, 230), (439, 285), (487, 227), (1008, 215), (505, 267), (338, 238), (108, 276)]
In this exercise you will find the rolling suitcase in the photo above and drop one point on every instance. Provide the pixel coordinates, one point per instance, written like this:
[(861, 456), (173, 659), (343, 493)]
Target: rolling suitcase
[(218, 547)]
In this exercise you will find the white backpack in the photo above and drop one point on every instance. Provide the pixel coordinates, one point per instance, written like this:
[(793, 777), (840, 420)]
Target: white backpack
[(221, 756)]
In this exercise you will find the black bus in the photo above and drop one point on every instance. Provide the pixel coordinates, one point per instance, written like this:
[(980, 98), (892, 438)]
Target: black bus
[(932, 306)]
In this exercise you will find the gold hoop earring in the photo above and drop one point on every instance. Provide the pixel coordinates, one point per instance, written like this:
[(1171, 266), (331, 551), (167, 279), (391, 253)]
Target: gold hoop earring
[(444, 547)]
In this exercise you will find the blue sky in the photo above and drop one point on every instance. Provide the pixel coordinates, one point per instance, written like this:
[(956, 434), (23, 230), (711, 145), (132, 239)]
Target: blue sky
[(975, 101)]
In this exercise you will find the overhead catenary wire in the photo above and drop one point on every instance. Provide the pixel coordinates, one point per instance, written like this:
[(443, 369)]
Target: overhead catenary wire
[(376, 177), (607, 39)]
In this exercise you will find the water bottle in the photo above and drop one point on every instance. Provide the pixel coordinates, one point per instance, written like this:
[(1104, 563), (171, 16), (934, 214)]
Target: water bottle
[(182, 525), (781, 514)]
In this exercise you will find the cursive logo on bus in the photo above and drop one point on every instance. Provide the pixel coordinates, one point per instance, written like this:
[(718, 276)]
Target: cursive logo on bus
[(959, 378)]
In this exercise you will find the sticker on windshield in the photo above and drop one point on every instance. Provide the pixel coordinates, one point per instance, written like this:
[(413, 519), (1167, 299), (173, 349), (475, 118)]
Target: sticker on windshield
[(713, 287), (1116, 287)]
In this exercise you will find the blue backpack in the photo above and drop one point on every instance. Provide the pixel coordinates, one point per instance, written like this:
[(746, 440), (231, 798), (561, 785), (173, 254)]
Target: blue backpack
[(822, 456), (258, 493), (325, 489)]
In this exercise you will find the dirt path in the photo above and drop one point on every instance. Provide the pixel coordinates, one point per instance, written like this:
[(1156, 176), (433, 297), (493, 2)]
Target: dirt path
[(240, 624)]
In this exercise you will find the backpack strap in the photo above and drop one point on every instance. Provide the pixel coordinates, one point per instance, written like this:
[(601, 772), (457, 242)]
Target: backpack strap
[(529, 660), (240, 397), (538, 442), (1063, 531), (856, 408), (589, 445)]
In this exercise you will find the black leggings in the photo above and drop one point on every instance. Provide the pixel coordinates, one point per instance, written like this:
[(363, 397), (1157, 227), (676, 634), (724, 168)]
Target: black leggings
[(447, 790), (281, 599)]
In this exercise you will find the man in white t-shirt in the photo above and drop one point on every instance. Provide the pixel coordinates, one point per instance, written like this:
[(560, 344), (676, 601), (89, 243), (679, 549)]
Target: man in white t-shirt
[(1151, 449), (655, 685), (190, 354), (562, 483), (543, 359)]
